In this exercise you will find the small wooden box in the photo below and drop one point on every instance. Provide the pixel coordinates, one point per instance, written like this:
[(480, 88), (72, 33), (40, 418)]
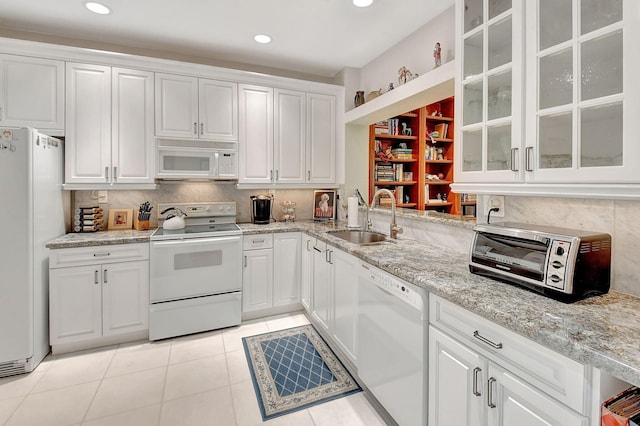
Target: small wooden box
[(140, 225)]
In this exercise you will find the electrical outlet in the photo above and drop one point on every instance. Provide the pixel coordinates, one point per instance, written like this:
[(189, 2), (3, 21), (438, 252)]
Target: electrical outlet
[(494, 201), (103, 197)]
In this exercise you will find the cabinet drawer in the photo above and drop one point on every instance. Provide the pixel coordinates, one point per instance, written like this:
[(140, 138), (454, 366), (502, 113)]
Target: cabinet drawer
[(258, 241), (78, 256), (554, 374)]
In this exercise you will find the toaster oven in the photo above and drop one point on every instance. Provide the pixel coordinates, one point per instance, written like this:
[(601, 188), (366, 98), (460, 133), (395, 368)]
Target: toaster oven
[(565, 264)]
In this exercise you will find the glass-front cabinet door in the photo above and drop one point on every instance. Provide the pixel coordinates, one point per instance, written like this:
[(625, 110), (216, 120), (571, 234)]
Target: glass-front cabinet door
[(582, 87), (489, 98)]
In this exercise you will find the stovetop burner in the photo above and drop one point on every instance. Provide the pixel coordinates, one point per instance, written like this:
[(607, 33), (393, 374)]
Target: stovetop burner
[(203, 220)]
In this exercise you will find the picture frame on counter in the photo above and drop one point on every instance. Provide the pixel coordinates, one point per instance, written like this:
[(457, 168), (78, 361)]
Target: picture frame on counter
[(324, 205), (120, 219)]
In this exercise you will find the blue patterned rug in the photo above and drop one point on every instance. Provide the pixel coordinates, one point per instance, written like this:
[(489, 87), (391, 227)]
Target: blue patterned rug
[(294, 369)]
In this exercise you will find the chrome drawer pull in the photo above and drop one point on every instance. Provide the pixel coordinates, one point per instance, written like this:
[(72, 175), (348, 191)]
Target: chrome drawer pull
[(101, 254), (490, 402), (95, 277), (476, 371), (317, 249), (477, 335), (104, 276)]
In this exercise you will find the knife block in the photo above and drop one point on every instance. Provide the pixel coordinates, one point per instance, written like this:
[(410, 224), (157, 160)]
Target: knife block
[(140, 225)]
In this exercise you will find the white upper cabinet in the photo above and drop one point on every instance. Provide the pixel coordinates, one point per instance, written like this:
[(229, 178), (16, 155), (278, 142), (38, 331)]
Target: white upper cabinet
[(547, 95), (580, 125), (32, 93), (188, 107), (132, 126), (255, 145), (290, 134), (286, 136), (490, 90), (109, 125), (321, 138)]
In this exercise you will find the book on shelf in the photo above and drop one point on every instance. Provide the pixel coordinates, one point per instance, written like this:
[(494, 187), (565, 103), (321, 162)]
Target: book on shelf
[(442, 129), (389, 173)]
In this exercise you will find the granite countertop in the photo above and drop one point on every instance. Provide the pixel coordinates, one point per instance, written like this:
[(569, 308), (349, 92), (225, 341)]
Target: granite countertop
[(600, 331)]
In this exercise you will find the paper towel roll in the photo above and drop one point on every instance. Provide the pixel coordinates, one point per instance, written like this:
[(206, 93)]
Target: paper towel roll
[(352, 212)]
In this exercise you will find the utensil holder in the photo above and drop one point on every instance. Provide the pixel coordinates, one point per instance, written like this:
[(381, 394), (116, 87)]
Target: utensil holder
[(140, 225)]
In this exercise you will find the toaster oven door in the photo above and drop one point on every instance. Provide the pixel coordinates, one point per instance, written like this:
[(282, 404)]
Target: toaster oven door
[(511, 256)]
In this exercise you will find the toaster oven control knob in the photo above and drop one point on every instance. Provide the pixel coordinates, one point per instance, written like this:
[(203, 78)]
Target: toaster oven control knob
[(557, 264), (560, 251), (555, 278)]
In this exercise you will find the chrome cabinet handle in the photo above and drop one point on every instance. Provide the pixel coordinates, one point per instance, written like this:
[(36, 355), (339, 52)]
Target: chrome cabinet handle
[(245, 261), (270, 174), (1, 111), (202, 128), (308, 241), (476, 391), (101, 254), (477, 335), (308, 174), (527, 159), (95, 277), (106, 174), (277, 175), (490, 402), (195, 128), (317, 249), (514, 156), (104, 276), (258, 241), (328, 256), (115, 173)]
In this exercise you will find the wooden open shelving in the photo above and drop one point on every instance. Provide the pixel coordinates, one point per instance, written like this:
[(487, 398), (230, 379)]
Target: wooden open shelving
[(430, 156)]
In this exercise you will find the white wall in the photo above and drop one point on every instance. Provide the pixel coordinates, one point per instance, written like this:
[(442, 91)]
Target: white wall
[(414, 52)]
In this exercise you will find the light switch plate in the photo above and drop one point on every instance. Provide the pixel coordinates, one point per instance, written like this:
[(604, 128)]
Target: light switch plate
[(103, 197)]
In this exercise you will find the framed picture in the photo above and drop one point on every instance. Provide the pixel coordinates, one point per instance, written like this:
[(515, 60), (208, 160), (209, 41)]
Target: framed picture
[(324, 205), (120, 218)]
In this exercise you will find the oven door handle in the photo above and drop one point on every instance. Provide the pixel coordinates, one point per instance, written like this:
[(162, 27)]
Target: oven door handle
[(195, 241)]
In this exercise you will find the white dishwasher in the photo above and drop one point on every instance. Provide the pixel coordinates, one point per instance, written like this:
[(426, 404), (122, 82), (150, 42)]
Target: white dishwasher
[(392, 343)]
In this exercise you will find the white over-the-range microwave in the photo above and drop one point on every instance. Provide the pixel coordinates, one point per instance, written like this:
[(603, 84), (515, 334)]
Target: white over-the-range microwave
[(196, 159)]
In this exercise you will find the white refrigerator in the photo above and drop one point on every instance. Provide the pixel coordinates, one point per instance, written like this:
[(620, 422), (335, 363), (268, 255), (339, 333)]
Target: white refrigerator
[(31, 214)]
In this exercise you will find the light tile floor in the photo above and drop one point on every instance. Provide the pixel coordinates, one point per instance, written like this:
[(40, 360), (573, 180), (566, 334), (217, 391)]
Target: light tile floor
[(201, 379)]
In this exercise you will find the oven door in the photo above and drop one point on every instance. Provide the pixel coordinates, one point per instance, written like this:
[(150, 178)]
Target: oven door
[(195, 267)]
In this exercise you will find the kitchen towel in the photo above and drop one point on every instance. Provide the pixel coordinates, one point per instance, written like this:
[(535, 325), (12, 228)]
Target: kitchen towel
[(352, 212)]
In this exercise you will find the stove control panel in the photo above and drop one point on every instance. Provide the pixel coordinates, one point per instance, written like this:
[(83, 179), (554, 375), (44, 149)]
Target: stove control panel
[(199, 210)]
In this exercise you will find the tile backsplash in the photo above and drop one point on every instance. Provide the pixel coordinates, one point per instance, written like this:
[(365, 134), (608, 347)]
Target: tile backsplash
[(183, 192)]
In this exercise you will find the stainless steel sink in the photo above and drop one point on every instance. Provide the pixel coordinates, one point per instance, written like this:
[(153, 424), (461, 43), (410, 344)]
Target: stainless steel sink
[(357, 236)]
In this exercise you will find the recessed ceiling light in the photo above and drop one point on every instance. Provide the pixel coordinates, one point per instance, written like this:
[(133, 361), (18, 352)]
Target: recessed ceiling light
[(362, 3), (262, 38), (98, 8)]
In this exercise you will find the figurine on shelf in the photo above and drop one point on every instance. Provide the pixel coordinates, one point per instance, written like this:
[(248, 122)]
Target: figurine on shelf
[(406, 130), (404, 75), (437, 55), (390, 88)]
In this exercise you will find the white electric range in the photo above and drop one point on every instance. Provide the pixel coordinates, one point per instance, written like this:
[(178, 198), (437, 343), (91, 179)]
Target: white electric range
[(196, 272)]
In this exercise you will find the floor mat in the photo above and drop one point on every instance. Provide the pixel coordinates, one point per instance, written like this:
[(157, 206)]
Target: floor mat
[(294, 369)]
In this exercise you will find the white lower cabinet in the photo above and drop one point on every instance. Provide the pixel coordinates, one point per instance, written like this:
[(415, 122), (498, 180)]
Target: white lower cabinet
[(306, 271), (344, 298), (478, 378), (320, 288), (93, 304), (271, 272), (332, 282)]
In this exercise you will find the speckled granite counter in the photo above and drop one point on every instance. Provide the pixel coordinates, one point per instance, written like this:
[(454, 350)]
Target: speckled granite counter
[(102, 238), (601, 331)]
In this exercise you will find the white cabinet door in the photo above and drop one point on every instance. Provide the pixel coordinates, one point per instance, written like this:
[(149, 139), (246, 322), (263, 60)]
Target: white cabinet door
[(512, 401), (307, 271), (257, 280), (321, 285), (88, 124), (132, 126), (255, 134), (32, 93), (125, 297), (321, 138), (176, 106), (75, 304), (344, 301), (456, 382), (218, 110), (289, 135), (286, 268)]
